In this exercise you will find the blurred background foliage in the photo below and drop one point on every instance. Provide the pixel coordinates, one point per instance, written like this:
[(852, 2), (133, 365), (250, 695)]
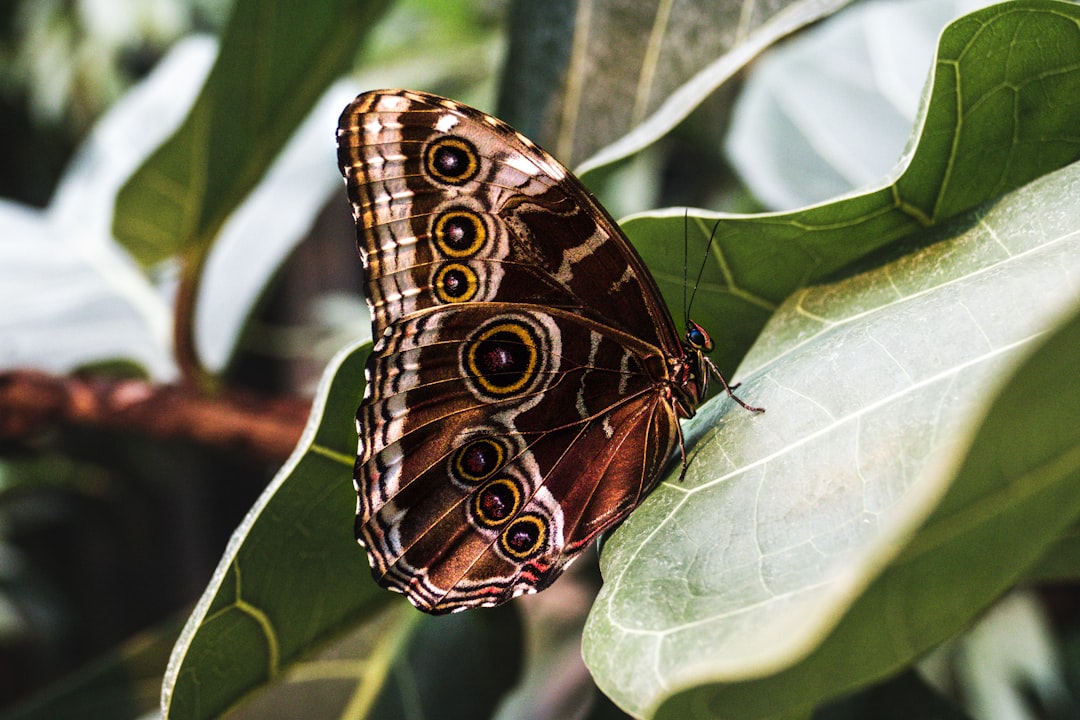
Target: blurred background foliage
[(63, 63)]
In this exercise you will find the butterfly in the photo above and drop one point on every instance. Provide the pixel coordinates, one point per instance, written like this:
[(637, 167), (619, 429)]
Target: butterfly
[(526, 383)]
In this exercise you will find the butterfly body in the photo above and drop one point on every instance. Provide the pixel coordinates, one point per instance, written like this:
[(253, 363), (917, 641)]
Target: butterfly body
[(526, 384)]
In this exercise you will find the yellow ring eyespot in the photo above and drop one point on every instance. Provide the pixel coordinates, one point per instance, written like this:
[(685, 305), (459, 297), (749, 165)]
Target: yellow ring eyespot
[(454, 283), (497, 501), (525, 537), (451, 160), (503, 358), (478, 460), (459, 233)]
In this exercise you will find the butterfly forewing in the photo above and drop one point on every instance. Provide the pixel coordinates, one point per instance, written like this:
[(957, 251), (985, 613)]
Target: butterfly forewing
[(510, 217), (521, 394)]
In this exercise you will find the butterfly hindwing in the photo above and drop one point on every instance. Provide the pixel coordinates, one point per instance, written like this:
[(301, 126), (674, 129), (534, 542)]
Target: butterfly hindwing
[(452, 459)]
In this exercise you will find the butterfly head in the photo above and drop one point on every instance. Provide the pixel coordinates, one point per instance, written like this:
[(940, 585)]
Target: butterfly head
[(691, 376), (697, 338)]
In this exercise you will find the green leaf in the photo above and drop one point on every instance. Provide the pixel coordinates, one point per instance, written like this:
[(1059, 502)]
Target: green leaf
[(1023, 52), (398, 663), (276, 60), (920, 451), (292, 577), (606, 70), (1013, 115), (71, 296), (457, 667), (70, 304), (1061, 563)]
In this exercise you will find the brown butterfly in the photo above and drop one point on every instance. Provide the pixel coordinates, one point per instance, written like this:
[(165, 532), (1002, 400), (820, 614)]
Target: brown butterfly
[(527, 380)]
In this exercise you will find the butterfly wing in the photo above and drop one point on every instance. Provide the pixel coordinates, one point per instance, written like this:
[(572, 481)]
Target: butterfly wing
[(480, 485), (456, 206), (519, 395)]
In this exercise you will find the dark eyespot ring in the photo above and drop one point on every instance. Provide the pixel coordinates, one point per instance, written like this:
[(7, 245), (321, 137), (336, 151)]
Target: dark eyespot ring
[(525, 537), (496, 501), (503, 359), (454, 282), (459, 233), (477, 460), (451, 160)]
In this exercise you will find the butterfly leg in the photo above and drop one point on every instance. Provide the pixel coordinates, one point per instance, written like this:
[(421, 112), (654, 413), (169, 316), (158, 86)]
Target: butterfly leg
[(729, 389), (682, 452)]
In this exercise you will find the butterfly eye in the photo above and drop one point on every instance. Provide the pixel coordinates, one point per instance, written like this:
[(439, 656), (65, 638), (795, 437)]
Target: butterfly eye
[(697, 338)]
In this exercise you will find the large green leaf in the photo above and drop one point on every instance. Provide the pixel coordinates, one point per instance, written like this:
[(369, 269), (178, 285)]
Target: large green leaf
[(607, 69), (276, 59), (1001, 110), (918, 454), (397, 663), (71, 297), (292, 578)]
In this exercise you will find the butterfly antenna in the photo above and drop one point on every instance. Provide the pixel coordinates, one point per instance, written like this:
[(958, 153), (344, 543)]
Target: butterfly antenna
[(701, 270), (685, 259)]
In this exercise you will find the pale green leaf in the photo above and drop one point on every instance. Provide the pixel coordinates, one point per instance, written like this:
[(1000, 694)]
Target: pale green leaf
[(888, 488)]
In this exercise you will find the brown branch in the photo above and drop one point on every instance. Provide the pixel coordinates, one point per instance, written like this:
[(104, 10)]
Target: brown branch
[(265, 428)]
